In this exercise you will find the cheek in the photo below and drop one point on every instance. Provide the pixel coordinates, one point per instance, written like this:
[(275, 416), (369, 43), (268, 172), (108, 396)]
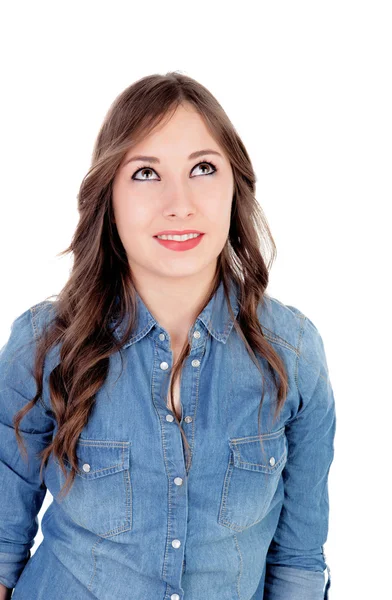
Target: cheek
[(219, 211), (131, 209), (132, 216)]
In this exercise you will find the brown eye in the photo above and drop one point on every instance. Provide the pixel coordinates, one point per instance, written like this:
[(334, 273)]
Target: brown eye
[(203, 164), (141, 171)]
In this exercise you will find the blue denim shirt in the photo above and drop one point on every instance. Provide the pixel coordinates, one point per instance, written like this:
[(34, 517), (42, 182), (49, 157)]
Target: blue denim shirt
[(240, 524)]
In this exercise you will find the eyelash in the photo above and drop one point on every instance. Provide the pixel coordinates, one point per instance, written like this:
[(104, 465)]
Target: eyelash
[(204, 162)]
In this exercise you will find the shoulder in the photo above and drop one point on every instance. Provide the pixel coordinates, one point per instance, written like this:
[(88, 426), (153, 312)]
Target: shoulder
[(25, 329), (288, 327), (42, 314), (20, 338), (17, 357), (281, 323), (290, 330)]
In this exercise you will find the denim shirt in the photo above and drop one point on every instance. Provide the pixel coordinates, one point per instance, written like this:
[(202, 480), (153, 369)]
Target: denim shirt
[(137, 524)]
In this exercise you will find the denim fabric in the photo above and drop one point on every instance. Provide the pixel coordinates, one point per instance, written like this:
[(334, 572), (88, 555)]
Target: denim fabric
[(242, 523)]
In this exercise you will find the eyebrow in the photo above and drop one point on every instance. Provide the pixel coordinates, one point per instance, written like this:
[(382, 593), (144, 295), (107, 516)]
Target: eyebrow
[(154, 159)]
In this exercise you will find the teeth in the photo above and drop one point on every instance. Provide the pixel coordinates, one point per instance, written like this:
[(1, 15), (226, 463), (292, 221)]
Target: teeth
[(179, 238)]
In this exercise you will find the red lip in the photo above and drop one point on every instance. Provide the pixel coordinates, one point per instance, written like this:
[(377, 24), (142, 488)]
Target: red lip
[(173, 232), (180, 246)]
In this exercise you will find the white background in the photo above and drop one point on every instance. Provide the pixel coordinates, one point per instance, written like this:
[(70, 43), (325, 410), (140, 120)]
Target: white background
[(308, 87)]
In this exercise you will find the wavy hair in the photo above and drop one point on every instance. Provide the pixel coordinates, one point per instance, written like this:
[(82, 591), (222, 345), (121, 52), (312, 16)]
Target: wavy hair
[(100, 285)]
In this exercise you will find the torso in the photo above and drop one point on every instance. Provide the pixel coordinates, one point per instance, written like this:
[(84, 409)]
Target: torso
[(176, 398), (176, 390)]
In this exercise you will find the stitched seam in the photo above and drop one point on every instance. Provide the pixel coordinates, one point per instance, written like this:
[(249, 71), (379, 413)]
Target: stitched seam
[(253, 438), (301, 355), (103, 443), (300, 336), (167, 550), (129, 499), (94, 563), (241, 567), (35, 334), (122, 445), (103, 469), (226, 484), (268, 470), (278, 340), (138, 336), (197, 375)]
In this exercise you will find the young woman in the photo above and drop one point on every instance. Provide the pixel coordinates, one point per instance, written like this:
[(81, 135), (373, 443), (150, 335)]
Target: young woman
[(181, 417)]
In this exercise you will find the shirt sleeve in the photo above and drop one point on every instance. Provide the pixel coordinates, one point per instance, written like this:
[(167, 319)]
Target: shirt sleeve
[(21, 491), (295, 565)]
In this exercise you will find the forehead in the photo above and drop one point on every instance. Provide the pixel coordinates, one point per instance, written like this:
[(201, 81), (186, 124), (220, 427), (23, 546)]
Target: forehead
[(182, 133)]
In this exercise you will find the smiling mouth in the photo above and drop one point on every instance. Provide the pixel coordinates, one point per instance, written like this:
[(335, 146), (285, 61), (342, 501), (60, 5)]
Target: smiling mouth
[(187, 239), (178, 245)]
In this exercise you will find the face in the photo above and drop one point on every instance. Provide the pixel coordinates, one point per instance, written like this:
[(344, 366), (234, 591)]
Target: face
[(174, 191)]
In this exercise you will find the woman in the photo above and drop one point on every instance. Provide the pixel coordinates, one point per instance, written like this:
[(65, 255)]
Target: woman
[(183, 419)]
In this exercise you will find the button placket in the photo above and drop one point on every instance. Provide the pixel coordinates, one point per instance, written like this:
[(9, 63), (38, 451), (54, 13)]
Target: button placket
[(178, 500)]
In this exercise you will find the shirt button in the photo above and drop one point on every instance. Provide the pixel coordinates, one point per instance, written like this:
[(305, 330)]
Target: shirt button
[(197, 334), (174, 597), (272, 461), (178, 480), (195, 363), (164, 366), (162, 336), (188, 419), (86, 467), (169, 418), (176, 543)]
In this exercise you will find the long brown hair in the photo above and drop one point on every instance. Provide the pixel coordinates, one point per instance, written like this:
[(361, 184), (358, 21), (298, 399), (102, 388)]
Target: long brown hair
[(101, 273)]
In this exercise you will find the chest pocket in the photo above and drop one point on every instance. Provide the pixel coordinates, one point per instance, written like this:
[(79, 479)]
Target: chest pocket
[(100, 498), (252, 478)]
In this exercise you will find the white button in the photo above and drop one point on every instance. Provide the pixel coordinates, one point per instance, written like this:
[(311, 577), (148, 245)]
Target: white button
[(272, 461), (195, 363), (86, 467), (178, 480), (197, 334), (164, 366), (161, 336), (174, 597), (169, 418), (176, 543), (188, 419)]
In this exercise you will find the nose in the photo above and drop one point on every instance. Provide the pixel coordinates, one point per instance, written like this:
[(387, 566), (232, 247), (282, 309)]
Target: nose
[(179, 201)]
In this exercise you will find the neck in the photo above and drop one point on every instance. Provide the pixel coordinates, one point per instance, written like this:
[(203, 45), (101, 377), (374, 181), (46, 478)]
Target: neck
[(175, 303)]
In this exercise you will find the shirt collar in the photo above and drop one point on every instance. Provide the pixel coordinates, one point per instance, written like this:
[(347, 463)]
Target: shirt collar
[(215, 316)]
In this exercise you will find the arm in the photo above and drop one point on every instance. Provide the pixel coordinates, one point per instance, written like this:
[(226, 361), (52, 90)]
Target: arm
[(295, 565), (21, 492)]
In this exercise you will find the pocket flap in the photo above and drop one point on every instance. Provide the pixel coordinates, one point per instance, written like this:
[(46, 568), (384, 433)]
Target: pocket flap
[(248, 453), (97, 458)]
